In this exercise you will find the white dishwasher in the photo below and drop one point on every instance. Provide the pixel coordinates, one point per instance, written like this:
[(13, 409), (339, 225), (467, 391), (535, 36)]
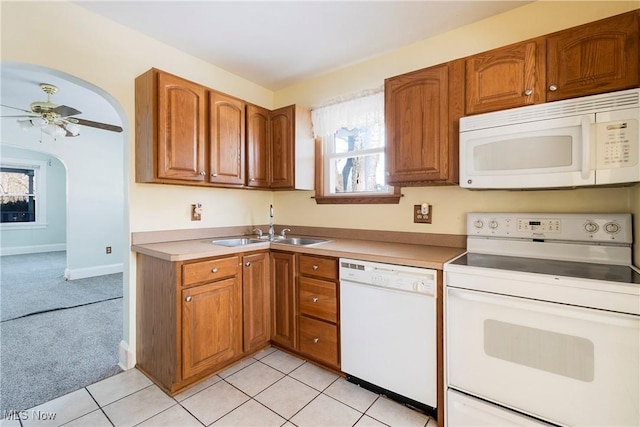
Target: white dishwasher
[(388, 330)]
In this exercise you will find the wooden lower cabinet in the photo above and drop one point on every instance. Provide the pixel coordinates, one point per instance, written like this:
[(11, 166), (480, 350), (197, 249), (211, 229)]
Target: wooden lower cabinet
[(189, 318), (283, 293), (256, 297), (211, 325), (306, 306)]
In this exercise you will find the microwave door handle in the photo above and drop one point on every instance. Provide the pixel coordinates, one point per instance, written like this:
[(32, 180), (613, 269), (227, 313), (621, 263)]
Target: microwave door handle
[(586, 146)]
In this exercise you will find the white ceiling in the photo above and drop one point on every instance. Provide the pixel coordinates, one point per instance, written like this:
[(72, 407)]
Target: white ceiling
[(272, 43), (278, 43)]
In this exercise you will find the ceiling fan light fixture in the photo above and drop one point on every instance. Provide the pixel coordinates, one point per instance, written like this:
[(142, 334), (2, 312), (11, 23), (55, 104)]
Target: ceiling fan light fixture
[(38, 122), (53, 130), (25, 124), (73, 129)]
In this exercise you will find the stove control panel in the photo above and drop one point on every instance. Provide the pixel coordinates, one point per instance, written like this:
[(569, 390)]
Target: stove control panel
[(552, 226)]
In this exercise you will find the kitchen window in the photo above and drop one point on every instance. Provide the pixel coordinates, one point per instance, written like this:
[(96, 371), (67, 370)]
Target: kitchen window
[(22, 197), (350, 163)]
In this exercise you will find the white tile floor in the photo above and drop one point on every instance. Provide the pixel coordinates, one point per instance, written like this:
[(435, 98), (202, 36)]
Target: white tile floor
[(271, 388)]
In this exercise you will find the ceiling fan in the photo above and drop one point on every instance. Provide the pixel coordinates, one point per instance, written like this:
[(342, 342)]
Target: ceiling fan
[(55, 119)]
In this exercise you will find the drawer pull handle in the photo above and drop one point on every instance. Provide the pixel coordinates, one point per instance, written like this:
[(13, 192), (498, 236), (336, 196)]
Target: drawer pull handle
[(188, 299), (315, 340), (315, 267), (214, 270), (314, 299)]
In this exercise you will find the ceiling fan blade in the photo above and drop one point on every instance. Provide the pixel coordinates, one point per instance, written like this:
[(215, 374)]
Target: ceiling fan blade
[(65, 111), (23, 116), (104, 126), (16, 108)]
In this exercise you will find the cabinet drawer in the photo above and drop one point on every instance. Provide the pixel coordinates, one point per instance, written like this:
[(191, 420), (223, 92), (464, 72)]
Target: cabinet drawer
[(319, 340), (317, 298), (317, 266), (208, 271)]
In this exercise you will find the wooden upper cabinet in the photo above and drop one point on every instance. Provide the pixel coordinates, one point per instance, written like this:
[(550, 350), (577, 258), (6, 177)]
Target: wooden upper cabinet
[(170, 128), (422, 110), (227, 139), (512, 76), (258, 157), (282, 147), (598, 57)]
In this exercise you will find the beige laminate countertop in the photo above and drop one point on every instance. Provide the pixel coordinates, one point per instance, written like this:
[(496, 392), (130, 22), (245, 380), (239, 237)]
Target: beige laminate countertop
[(393, 253)]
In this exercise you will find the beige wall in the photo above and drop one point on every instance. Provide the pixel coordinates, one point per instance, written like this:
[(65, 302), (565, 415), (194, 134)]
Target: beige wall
[(66, 37), (450, 204)]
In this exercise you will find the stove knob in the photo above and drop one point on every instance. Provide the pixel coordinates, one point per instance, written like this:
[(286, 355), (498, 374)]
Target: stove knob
[(611, 228), (478, 224), (591, 227), (493, 224)]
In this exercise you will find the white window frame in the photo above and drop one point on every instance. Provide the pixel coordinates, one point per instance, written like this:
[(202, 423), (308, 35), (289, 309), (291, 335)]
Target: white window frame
[(39, 168), (329, 173)]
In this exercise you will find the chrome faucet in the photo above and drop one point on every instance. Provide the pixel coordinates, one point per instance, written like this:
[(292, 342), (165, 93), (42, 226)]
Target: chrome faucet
[(271, 230), (283, 233), (258, 232)]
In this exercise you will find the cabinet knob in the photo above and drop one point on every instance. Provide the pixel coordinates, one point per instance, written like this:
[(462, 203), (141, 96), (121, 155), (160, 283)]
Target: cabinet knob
[(252, 179), (553, 88), (314, 299), (315, 267), (202, 173), (214, 270), (247, 264), (214, 174), (528, 92), (187, 299), (315, 340)]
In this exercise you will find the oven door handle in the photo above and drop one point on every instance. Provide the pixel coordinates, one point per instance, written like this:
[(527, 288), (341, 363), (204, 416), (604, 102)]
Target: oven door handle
[(546, 307)]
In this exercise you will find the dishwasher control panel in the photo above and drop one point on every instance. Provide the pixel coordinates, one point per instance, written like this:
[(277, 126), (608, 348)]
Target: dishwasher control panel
[(391, 276)]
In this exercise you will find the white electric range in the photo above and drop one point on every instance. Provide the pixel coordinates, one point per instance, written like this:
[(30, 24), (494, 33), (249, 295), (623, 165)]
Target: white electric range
[(542, 322)]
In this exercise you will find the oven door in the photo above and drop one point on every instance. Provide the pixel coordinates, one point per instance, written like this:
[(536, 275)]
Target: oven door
[(564, 364)]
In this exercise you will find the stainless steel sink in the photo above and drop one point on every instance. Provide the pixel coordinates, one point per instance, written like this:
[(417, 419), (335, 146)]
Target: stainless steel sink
[(237, 241), (300, 241)]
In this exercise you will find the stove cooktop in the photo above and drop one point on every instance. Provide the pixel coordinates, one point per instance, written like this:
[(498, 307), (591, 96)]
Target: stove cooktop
[(581, 270)]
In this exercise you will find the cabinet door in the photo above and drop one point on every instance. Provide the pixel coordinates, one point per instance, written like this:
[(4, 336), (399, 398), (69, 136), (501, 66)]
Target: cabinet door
[(181, 128), (227, 136), (281, 147), (257, 147), (512, 76), (421, 126), (211, 325), (598, 57), (284, 331), (256, 298)]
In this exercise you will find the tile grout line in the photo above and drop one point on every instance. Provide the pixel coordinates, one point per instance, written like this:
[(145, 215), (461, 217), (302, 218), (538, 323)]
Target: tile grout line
[(99, 408)]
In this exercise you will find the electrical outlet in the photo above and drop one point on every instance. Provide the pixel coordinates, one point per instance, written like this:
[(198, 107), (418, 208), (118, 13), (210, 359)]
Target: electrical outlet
[(108, 249), (196, 212), (419, 214)]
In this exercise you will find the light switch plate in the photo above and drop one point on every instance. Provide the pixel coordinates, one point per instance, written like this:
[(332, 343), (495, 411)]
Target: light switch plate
[(419, 217)]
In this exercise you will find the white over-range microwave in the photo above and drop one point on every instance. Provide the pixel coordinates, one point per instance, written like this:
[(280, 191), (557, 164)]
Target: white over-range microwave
[(586, 141)]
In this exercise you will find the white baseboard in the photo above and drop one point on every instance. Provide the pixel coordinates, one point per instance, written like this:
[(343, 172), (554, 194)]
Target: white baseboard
[(126, 358), (20, 250), (100, 270)]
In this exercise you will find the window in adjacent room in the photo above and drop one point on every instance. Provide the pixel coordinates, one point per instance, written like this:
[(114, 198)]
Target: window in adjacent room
[(350, 163), (22, 196)]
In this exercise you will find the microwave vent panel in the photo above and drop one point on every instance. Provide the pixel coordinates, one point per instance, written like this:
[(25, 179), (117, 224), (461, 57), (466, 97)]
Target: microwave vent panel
[(554, 110)]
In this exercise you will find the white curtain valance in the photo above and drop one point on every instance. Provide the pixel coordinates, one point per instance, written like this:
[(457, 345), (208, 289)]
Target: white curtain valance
[(355, 113)]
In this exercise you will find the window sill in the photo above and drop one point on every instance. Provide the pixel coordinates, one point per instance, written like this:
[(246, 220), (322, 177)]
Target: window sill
[(359, 199), (6, 226)]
